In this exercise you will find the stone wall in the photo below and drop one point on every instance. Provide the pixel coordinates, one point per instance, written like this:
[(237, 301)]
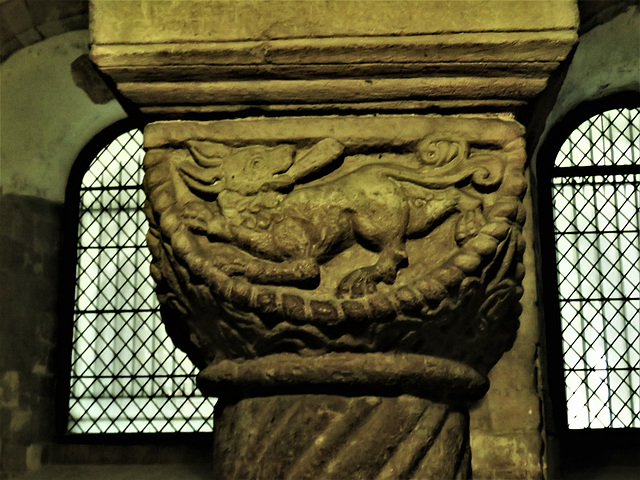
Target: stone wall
[(46, 121), (30, 242)]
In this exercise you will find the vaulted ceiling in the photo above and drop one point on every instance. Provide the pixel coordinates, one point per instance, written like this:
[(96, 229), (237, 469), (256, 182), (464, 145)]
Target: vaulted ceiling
[(25, 22)]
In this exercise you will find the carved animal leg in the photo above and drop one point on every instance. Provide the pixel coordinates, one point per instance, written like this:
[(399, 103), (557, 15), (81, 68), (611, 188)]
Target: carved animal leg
[(199, 218), (287, 242), (277, 240), (234, 262), (363, 280), (385, 229)]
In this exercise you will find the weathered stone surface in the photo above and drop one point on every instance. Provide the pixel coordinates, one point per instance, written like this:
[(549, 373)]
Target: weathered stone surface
[(513, 456), (355, 54), (147, 21), (371, 234), (184, 97), (383, 374), (318, 437), (297, 257)]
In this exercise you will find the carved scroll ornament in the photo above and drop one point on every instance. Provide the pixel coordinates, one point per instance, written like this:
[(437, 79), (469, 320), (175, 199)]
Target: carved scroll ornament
[(313, 250)]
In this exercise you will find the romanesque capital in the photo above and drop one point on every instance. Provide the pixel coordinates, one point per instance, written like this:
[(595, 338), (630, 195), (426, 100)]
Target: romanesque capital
[(355, 237)]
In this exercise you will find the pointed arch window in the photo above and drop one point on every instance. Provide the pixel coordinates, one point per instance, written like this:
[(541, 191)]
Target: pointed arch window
[(595, 197), (125, 374)]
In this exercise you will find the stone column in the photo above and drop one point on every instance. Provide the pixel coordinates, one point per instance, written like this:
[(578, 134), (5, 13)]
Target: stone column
[(346, 270)]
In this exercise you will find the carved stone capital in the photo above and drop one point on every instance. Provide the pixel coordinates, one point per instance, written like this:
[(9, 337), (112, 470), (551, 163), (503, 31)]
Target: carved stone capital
[(312, 258), (370, 237)]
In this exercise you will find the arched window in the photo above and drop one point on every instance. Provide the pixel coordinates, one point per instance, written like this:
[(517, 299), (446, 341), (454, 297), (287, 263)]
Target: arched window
[(594, 197), (125, 374)]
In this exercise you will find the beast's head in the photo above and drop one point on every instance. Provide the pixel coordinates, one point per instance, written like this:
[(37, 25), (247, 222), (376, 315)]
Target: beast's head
[(215, 167)]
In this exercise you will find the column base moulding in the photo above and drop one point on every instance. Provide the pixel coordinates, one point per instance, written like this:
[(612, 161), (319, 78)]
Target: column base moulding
[(384, 374)]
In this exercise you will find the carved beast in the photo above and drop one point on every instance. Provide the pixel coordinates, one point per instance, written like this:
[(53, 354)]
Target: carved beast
[(241, 234), (377, 205)]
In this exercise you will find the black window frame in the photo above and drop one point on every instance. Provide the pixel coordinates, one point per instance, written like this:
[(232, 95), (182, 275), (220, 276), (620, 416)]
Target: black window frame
[(571, 450), (177, 444)]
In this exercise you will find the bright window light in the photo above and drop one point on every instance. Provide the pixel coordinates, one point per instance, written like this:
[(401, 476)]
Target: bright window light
[(126, 375), (596, 196)]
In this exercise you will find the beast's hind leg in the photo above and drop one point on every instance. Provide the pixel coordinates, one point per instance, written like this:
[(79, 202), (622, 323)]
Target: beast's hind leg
[(265, 260), (262, 255), (363, 281), (290, 244), (383, 226)]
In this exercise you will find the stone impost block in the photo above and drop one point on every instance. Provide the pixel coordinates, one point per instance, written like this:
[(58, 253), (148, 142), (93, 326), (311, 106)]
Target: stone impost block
[(175, 58)]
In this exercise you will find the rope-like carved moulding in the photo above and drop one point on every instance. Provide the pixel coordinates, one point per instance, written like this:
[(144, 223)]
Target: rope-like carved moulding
[(344, 283)]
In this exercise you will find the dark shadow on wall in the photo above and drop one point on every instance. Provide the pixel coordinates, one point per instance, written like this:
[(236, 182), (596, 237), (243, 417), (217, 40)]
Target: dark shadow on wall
[(30, 246)]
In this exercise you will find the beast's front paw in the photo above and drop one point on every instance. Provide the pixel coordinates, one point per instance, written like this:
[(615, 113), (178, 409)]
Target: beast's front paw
[(358, 283)]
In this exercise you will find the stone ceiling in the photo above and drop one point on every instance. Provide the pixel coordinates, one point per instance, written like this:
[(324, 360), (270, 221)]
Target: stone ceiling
[(25, 22)]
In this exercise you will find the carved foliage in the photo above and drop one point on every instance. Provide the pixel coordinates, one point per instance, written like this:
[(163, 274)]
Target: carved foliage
[(322, 245)]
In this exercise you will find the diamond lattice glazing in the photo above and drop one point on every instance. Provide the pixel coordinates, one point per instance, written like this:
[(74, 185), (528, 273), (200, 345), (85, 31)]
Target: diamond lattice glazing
[(126, 375), (596, 222)]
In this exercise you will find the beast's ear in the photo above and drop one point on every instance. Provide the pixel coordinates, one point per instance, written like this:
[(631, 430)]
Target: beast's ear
[(207, 154)]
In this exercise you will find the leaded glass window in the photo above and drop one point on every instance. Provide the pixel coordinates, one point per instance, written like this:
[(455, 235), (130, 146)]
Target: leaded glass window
[(596, 218), (126, 375)]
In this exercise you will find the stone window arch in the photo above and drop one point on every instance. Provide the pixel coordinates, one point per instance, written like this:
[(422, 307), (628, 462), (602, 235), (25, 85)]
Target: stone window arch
[(125, 375), (590, 196)]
